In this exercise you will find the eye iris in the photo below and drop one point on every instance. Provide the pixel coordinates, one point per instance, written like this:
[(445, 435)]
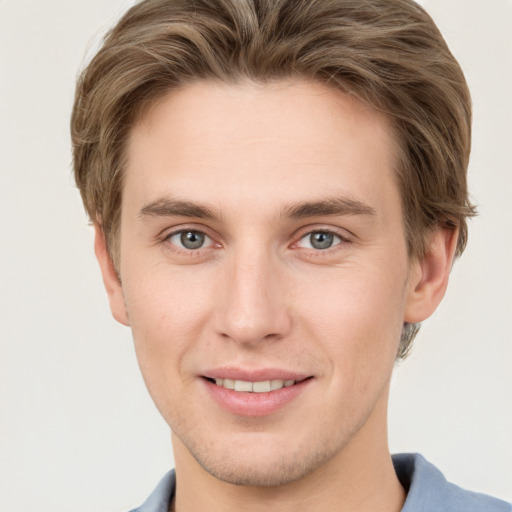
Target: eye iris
[(192, 239), (321, 240)]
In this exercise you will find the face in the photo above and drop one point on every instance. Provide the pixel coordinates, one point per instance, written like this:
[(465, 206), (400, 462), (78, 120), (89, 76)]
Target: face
[(264, 274)]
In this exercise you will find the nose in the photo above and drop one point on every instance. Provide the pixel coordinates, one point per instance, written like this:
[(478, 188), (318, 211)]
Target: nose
[(252, 304)]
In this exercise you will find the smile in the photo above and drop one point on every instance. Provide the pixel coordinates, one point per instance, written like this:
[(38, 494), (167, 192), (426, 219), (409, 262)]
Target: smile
[(264, 386), (255, 393)]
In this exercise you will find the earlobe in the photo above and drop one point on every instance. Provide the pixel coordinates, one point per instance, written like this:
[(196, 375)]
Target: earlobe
[(429, 275), (110, 277)]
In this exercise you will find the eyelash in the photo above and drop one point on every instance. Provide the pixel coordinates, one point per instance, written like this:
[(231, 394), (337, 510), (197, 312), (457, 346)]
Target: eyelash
[(341, 240), (183, 250), (335, 235)]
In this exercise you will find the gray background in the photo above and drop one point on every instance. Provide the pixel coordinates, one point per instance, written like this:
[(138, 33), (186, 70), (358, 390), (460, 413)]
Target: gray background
[(77, 428)]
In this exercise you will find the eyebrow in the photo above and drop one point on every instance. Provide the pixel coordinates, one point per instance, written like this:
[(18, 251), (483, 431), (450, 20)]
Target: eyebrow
[(168, 207), (331, 206)]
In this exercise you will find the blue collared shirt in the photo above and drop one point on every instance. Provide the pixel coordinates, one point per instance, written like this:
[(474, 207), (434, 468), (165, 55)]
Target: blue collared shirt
[(427, 491)]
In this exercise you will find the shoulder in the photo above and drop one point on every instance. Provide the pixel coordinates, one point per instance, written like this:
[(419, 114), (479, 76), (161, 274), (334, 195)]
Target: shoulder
[(428, 490), (160, 499)]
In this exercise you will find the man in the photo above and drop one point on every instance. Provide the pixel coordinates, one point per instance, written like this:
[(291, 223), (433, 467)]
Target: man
[(278, 189)]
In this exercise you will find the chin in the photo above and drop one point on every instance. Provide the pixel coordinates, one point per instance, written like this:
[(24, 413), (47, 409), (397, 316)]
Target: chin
[(255, 467), (269, 474)]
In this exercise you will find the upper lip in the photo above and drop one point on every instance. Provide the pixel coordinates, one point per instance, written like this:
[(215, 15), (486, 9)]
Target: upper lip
[(254, 375)]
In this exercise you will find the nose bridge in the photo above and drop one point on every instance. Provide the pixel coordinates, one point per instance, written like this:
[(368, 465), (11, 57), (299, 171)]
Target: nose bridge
[(252, 306)]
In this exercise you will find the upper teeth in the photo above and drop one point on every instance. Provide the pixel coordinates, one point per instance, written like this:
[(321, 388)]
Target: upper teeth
[(263, 386)]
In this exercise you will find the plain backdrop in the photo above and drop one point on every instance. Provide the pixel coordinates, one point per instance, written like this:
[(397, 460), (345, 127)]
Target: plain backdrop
[(78, 431)]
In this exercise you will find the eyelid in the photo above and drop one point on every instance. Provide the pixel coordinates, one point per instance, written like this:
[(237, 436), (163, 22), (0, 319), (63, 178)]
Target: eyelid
[(168, 233), (207, 239), (172, 230), (343, 234), (335, 235)]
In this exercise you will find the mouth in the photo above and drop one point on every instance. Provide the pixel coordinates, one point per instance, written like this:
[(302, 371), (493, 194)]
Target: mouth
[(255, 393), (262, 386)]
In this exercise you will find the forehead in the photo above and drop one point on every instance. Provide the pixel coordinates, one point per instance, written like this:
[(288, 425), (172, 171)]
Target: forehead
[(261, 144)]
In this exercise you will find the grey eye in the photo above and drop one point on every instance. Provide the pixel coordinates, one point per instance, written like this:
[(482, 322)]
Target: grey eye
[(190, 240), (319, 240)]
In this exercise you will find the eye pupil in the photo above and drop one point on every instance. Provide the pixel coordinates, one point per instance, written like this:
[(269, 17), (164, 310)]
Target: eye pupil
[(321, 240), (192, 239)]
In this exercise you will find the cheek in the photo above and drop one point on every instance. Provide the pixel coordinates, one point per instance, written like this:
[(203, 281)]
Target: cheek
[(167, 316), (166, 310), (357, 317)]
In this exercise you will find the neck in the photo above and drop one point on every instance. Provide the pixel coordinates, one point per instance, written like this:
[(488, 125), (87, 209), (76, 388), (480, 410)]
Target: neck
[(359, 478)]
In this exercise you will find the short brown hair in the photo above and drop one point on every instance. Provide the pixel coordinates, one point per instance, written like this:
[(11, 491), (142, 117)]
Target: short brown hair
[(387, 53)]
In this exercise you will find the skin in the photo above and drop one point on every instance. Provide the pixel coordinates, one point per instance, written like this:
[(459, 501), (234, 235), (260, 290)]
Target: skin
[(257, 294)]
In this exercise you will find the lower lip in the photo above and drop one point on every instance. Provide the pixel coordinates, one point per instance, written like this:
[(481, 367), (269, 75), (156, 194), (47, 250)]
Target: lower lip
[(255, 404)]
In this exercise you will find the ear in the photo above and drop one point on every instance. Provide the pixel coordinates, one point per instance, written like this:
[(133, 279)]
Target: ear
[(429, 275), (110, 278)]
